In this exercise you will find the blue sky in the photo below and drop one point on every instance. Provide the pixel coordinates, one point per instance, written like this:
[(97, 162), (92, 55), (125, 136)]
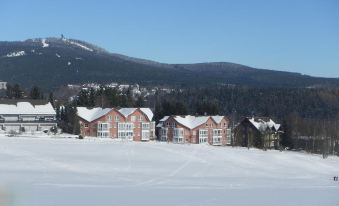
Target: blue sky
[(298, 36)]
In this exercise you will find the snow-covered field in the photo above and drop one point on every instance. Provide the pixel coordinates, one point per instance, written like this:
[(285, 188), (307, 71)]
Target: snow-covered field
[(45, 171)]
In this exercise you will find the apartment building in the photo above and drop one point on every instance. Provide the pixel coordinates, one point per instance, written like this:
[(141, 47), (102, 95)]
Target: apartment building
[(125, 123), (211, 130)]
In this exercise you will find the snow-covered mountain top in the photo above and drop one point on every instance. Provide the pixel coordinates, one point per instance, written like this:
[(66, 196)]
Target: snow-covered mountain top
[(53, 42)]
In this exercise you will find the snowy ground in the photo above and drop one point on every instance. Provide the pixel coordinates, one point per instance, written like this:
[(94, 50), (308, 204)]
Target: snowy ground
[(45, 171)]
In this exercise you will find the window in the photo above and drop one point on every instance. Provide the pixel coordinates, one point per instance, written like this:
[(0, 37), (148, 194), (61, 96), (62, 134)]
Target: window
[(145, 135), (217, 136), (217, 132), (125, 126), (229, 136), (125, 135), (103, 134), (103, 126), (163, 134), (203, 136), (103, 129), (125, 131), (178, 135), (109, 118), (178, 132), (86, 125), (216, 140), (133, 118), (117, 119), (140, 118), (145, 126)]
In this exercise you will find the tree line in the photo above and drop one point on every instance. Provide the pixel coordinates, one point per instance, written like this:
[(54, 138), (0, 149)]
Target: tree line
[(309, 117), (16, 92)]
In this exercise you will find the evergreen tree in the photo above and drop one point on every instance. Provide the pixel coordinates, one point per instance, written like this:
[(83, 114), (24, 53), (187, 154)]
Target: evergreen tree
[(17, 92), (9, 91), (36, 93), (51, 98), (140, 102)]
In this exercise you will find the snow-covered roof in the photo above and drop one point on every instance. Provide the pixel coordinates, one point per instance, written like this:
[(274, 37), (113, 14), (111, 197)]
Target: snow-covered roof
[(92, 114), (95, 113), (195, 121), (26, 107), (217, 118), (271, 124), (164, 118), (191, 122), (128, 111), (148, 113), (262, 125), (161, 122)]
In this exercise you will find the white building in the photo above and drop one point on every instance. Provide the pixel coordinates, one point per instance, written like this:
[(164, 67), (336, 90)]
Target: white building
[(29, 116), (3, 85)]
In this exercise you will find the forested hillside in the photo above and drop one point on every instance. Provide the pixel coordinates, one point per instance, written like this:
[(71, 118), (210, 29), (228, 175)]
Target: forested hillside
[(53, 62)]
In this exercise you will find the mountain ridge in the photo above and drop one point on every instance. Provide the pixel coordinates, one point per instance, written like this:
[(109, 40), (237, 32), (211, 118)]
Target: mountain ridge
[(52, 62)]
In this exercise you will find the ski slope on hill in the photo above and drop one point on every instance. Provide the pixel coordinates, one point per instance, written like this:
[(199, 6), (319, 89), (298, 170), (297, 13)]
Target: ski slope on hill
[(41, 171)]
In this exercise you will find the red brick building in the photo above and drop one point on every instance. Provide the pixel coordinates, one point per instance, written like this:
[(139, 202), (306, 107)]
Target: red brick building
[(196, 130), (125, 123)]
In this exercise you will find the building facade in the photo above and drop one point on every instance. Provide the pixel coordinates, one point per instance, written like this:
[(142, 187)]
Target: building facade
[(3, 85), (211, 130), (126, 123), (261, 133), (26, 116)]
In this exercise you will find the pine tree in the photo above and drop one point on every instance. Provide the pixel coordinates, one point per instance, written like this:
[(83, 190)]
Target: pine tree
[(286, 137), (17, 92), (51, 98), (140, 102), (36, 93)]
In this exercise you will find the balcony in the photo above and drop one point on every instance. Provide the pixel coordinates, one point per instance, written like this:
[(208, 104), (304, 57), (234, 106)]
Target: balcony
[(178, 139), (28, 121), (216, 140), (178, 135), (145, 135)]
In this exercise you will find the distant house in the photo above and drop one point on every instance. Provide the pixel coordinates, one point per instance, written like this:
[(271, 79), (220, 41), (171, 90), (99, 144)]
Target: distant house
[(257, 132), (26, 116), (194, 129), (3, 85), (125, 123)]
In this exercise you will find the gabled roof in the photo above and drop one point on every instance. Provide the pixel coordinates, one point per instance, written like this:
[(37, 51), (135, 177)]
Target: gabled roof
[(263, 125), (161, 122), (128, 111), (164, 118), (92, 114), (192, 122), (17, 107), (95, 113), (217, 118)]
